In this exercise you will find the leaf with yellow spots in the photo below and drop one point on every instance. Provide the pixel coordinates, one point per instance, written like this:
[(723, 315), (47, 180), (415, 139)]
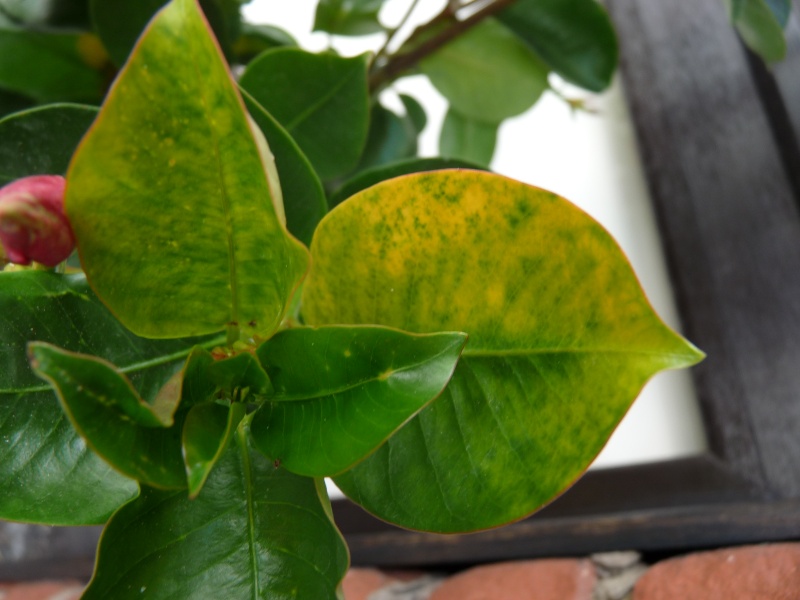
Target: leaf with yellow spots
[(561, 340), (178, 223), (341, 391)]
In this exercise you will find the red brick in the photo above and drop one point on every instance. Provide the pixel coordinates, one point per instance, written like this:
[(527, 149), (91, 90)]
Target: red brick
[(49, 590), (769, 572), (358, 584), (552, 579)]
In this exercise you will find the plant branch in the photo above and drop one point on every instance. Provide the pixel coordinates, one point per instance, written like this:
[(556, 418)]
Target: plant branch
[(400, 63), (391, 33)]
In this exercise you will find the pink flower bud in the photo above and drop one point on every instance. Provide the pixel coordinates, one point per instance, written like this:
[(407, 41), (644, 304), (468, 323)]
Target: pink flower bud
[(33, 226)]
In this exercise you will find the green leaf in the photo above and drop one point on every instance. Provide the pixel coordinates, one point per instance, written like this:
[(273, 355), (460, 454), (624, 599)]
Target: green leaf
[(207, 430), (11, 102), (41, 140), (390, 138), (561, 340), (257, 38), (172, 208), (322, 100), (380, 173), (139, 440), (304, 198), (415, 111), (47, 474), (119, 23), (487, 73), (341, 391), (759, 22), (348, 17), (52, 66), (465, 138), (575, 38), (240, 371), (253, 532)]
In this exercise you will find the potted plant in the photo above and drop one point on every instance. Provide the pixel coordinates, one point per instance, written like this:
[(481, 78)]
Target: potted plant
[(451, 346)]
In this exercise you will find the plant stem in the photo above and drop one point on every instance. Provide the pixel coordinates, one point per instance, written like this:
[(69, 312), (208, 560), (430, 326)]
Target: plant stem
[(402, 62), (392, 32)]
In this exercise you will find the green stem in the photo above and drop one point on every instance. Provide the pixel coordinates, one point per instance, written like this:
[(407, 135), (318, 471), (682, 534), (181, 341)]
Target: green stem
[(399, 63), (392, 32)]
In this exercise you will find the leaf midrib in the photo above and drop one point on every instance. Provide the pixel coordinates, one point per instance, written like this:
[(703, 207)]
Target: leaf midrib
[(303, 116)]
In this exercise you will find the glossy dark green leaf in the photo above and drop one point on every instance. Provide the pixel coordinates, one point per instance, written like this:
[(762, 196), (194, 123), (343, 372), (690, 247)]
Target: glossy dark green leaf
[(391, 138), (182, 196), (41, 140), (375, 175), (562, 339), (487, 73), (253, 532), (52, 66), (47, 474), (11, 102), (348, 17), (303, 196), (464, 138), (139, 440), (257, 38), (119, 23), (760, 23), (341, 391), (322, 100), (207, 430), (575, 38)]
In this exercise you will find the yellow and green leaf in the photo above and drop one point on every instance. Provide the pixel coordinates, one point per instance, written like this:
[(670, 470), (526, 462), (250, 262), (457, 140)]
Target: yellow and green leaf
[(169, 196), (561, 340)]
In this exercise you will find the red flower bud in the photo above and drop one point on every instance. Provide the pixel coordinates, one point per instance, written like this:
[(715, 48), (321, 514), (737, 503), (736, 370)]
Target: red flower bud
[(33, 226)]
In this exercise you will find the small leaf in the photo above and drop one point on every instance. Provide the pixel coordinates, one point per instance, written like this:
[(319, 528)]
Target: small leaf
[(240, 371), (52, 66), (760, 23), (415, 111), (348, 17), (487, 73), (321, 100), (390, 138), (187, 210), (257, 38), (207, 430), (561, 340), (575, 38), (41, 140), (134, 437), (42, 457), (341, 391), (464, 138), (380, 173), (253, 532), (304, 198)]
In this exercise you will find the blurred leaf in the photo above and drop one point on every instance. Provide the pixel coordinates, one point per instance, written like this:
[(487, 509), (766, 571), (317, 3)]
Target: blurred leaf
[(119, 23), (11, 102), (375, 175), (348, 17), (48, 474), (341, 391), (561, 340), (206, 433), (187, 209), (41, 140), (303, 196), (320, 99), (575, 38), (487, 73), (52, 66), (463, 138), (415, 111), (390, 138), (255, 39), (759, 24), (253, 532), (139, 440)]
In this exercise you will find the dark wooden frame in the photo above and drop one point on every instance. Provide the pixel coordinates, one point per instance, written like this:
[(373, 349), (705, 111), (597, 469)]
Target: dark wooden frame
[(718, 136)]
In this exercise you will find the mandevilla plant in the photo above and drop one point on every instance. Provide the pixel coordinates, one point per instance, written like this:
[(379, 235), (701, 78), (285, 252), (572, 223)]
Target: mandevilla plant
[(453, 348)]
